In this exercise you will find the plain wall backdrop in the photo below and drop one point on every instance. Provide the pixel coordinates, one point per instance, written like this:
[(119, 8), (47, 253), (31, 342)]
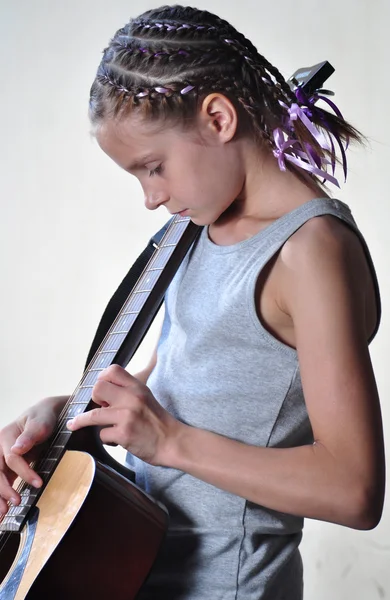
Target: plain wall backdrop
[(72, 222)]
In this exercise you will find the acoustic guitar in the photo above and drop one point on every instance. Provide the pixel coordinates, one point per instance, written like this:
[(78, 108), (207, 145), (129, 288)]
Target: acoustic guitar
[(90, 532)]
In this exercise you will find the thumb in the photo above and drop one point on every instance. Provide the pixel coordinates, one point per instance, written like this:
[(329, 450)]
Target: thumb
[(33, 434)]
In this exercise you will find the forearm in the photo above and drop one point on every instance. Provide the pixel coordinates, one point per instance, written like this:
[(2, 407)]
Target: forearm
[(143, 375), (305, 480)]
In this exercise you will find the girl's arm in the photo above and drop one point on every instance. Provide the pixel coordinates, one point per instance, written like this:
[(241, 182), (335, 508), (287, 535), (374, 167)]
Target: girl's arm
[(339, 478), (143, 375)]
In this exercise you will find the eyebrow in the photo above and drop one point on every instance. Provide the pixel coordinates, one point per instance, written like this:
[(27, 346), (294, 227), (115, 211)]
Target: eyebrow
[(140, 162)]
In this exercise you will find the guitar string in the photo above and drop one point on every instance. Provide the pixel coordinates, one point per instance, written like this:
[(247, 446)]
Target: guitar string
[(63, 418)]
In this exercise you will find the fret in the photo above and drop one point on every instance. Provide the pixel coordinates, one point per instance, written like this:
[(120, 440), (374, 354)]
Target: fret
[(142, 291), (103, 360), (53, 453), (74, 410), (13, 517), (150, 278), (114, 342), (61, 439), (82, 395), (13, 526), (47, 463), (118, 333), (26, 495), (89, 378), (174, 235), (25, 498), (126, 320), (182, 220), (134, 303), (14, 511), (162, 257), (137, 300), (79, 403)]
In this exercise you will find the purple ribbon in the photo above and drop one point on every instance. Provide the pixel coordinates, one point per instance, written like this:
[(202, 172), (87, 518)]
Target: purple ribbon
[(304, 155), (187, 89), (295, 113), (303, 160), (310, 108)]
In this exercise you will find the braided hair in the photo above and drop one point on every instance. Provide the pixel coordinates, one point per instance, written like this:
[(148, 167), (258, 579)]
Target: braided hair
[(163, 63)]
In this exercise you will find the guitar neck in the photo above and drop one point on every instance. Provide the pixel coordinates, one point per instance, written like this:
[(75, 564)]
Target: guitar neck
[(118, 346)]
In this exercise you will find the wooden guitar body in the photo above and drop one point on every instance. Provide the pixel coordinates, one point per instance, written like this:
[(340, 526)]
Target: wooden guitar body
[(89, 533), (92, 534)]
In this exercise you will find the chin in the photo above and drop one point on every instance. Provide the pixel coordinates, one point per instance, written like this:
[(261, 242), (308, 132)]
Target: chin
[(201, 222)]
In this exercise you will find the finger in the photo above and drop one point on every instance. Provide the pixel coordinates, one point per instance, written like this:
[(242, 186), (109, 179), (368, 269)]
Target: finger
[(23, 444), (101, 417), (14, 459), (35, 433), (117, 375), (20, 466), (8, 494), (109, 436), (106, 394)]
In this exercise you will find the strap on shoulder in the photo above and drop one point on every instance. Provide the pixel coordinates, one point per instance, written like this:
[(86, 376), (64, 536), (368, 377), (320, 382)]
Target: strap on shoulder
[(123, 291)]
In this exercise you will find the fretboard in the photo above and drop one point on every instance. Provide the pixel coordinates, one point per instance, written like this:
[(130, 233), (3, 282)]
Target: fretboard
[(118, 347)]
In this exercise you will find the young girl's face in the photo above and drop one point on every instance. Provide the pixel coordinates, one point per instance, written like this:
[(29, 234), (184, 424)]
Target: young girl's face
[(194, 172)]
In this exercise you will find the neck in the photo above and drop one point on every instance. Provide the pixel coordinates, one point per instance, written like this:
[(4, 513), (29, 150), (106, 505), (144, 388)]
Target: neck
[(268, 192)]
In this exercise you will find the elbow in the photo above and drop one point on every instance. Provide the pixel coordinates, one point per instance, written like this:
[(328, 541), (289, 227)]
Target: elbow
[(364, 508), (369, 516)]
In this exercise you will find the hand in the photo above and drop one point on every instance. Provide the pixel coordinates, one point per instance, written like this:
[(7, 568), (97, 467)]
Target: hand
[(19, 445), (130, 416)]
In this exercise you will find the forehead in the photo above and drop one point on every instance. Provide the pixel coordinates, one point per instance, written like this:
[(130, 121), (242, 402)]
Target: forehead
[(130, 139), (126, 133)]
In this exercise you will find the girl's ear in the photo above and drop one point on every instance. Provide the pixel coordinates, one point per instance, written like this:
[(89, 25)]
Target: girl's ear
[(219, 116)]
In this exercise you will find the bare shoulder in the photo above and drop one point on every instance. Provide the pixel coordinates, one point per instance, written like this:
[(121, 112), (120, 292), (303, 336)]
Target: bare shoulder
[(326, 238), (326, 290), (325, 260)]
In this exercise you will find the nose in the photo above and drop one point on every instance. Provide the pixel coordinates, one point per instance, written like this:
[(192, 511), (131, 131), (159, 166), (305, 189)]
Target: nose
[(154, 199)]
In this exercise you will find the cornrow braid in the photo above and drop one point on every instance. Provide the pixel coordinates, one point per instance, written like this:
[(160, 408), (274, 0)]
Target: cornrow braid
[(166, 61)]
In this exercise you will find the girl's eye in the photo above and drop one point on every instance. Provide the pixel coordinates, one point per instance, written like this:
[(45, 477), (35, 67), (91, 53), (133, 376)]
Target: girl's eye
[(156, 171)]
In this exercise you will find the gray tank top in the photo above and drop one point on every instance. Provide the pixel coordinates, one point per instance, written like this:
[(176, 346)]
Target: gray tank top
[(219, 369)]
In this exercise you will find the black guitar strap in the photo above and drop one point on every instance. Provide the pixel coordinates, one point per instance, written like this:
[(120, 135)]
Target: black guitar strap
[(123, 291)]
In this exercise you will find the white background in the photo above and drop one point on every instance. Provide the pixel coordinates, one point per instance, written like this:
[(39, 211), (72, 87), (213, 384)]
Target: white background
[(72, 222)]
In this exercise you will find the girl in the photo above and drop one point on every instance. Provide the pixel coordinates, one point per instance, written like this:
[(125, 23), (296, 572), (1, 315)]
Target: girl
[(260, 406)]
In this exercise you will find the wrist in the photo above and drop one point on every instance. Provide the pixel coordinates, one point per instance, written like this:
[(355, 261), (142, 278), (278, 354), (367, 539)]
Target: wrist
[(174, 448), (55, 403)]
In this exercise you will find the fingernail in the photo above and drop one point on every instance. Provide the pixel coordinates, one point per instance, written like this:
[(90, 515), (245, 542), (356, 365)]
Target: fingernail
[(36, 483), (18, 445), (70, 424), (13, 501)]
